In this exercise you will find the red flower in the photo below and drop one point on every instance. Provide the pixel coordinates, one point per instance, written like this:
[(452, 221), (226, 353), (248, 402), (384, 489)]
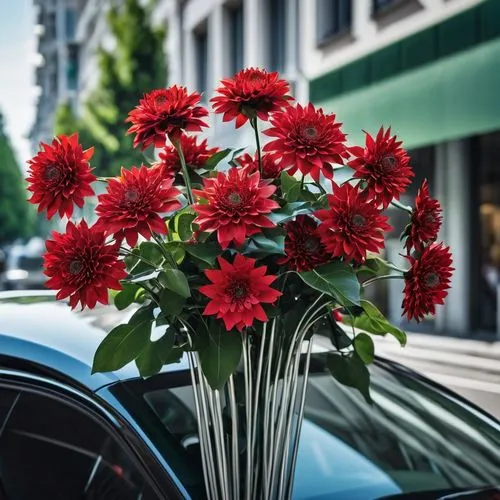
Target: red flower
[(81, 266), (337, 315), (384, 165), (249, 93), (196, 155), (164, 112), (353, 225), (270, 167), (306, 140), (237, 204), (60, 176), (425, 220), (303, 247), (238, 291), (133, 202), (427, 281)]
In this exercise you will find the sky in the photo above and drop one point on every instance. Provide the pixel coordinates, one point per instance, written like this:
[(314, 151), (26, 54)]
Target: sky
[(17, 57)]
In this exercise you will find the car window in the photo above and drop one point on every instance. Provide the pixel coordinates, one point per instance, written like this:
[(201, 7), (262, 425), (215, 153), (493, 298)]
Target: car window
[(414, 438), (31, 263), (52, 450)]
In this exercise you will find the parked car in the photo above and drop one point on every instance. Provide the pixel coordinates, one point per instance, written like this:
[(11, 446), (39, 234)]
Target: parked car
[(67, 434), (24, 267)]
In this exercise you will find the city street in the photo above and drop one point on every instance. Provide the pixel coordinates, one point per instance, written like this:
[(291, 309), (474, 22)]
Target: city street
[(469, 367)]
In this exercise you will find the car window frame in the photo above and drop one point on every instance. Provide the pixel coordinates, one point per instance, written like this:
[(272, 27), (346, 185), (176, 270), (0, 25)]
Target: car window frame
[(155, 476)]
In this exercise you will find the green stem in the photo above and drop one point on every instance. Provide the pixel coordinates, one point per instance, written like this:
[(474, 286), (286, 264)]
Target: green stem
[(185, 172), (164, 251), (302, 183), (397, 204), (384, 277), (148, 262), (253, 122)]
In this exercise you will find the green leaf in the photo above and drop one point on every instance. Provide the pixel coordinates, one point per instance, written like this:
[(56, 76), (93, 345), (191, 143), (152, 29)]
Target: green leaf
[(363, 345), (268, 242), (375, 265), (126, 296), (176, 249), (220, 354), (184, 226), (171, 303), (290, 187), (373, 321), (350, 371), (176, 281), (327, 327), (156, 354), (206, 252), (289, 211), (121, 346), (151, 252), (216, 158), (336, 279)]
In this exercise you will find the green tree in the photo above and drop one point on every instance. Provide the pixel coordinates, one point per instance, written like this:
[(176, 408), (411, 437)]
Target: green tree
[(135, 66), (16, 216)]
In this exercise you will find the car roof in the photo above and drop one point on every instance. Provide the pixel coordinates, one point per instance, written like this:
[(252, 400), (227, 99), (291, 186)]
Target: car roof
[(39, 332)]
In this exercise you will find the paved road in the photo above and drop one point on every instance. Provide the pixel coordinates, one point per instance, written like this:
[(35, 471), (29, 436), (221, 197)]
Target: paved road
[(471, 368)]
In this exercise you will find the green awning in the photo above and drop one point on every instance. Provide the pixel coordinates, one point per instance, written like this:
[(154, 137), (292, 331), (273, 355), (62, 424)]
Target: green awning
[(455, 97)]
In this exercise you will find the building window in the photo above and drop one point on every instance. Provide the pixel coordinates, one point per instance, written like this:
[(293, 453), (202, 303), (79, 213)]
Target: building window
[(70, 24), (380, 5), (72, 68), (236, 38), (201, 58), (333, 18), (277, 34)]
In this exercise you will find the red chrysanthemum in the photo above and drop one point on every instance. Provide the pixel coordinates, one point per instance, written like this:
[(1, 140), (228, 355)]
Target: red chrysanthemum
[(238, 291), (306, 140), (303, 247), (353, 225), (427, 281), (165, 112), (425, 220), (59, 176), (250, 92), (384, 165), (237, 203), (81, 266), (196, 155), (133, 202), (270, 167)]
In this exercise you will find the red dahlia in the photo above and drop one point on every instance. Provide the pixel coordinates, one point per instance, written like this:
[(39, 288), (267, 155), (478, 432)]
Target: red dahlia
[(270, 167), (384, 165), (196, 155), (60, 176), (303, 247), (306, 140), (238, 291), (164, 112), (353, 225), (427, 281), (425, 220), (133, 202), (237, 205), (81, 266), (249, 93)]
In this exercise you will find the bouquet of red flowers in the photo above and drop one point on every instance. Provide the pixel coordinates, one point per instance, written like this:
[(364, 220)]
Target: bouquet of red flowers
[(236, 259)]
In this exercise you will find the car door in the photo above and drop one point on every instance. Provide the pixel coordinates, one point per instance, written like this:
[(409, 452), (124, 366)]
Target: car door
[(59, 443)]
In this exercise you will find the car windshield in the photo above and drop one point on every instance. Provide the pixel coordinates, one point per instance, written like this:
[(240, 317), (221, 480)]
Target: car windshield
[(414, 438)]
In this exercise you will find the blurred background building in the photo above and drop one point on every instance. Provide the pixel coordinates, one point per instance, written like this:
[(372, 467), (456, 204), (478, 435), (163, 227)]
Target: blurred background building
[(428, 68), (56, 74)]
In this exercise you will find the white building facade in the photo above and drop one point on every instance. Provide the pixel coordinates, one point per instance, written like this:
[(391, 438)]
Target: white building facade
[(428, 68), (57, 70)]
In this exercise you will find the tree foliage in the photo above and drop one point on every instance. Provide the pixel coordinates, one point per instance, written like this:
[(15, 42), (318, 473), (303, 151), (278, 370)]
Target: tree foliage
[(136, 65), (16, 216)]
